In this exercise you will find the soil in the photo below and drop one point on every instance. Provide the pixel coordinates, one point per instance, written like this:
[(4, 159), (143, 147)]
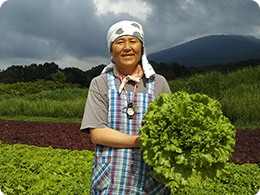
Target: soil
[(68, 136)]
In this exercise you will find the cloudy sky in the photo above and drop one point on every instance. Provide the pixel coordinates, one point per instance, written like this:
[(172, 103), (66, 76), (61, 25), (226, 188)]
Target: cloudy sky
[(72, 33)]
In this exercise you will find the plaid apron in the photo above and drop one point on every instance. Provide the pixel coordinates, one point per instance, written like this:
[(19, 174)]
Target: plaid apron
[(123, 171)]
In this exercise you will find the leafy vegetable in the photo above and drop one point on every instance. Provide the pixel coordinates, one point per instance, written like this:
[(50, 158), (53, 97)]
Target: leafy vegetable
[(29, 170), (244, 179), (186, 139)]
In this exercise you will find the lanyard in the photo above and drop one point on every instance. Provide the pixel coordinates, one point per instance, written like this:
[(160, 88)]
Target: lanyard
[(130, 110)]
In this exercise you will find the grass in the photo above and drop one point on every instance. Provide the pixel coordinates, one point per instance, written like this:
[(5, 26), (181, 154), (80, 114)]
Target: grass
[(237, 92), (42, 119), (67, 104)]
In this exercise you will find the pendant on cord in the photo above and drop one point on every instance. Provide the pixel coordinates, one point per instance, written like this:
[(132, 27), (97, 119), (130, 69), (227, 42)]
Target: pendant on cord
[(130, 111)]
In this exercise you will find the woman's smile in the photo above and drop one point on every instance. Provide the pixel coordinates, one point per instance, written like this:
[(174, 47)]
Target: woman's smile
[(128, 55)]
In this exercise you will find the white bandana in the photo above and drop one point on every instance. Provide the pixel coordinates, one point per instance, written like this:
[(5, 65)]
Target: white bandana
[(128, 28)]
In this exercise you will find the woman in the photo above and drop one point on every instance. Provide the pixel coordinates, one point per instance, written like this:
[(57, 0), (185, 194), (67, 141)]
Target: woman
[(115, 107)]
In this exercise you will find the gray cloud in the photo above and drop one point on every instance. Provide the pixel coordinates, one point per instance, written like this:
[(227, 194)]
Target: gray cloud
[(37, 31), (180, 21)]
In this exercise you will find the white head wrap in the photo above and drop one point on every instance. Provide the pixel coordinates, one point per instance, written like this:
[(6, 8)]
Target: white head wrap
[(128, 28)]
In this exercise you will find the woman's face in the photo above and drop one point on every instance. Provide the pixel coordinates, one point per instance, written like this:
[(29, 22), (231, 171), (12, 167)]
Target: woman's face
[(126, 51)]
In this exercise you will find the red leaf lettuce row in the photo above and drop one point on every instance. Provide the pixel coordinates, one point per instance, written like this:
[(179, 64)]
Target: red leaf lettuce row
[(186, 138)]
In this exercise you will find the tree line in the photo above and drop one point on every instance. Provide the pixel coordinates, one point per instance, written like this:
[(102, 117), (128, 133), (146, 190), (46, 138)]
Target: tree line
[(51, 71)]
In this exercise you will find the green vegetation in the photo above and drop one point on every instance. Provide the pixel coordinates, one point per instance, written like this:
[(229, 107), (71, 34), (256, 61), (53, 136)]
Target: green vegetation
[(31, 170), (238, 93), (42, 119), (35, 170), (51, 71), (48, 72), (25, 88), (60, 103), (242, 179), (186, 138)]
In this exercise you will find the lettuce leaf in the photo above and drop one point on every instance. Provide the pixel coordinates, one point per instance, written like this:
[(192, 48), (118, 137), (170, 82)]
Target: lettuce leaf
[(186, 139)]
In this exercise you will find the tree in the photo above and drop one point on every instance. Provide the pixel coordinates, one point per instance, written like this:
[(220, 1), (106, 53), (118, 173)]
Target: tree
[(59, 77), (75, 75)]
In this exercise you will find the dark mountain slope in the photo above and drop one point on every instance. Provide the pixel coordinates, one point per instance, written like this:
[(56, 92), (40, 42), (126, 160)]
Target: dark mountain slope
[(210, 50)]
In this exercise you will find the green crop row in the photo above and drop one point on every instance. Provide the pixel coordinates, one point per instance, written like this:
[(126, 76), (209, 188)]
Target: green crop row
[(241, 180), (31, 170)]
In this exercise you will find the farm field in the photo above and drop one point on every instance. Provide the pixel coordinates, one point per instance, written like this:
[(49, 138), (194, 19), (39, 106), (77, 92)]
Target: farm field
[(68, 136), (61, 139), (55, 157)]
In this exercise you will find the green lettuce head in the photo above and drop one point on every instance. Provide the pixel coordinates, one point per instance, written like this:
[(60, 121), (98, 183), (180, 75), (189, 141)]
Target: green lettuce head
[(186, 139)]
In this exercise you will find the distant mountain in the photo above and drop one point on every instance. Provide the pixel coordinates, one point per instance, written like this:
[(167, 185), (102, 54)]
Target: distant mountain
[(210, 50)]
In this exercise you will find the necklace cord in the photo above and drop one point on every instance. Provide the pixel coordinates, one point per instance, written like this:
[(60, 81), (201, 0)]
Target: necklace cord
[(126, 91)]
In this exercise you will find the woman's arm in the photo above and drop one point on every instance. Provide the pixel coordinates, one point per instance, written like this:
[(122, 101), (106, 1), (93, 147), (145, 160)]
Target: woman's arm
[(112, 138)]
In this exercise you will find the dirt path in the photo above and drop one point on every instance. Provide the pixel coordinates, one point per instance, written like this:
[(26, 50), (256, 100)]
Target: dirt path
[(68, 136)]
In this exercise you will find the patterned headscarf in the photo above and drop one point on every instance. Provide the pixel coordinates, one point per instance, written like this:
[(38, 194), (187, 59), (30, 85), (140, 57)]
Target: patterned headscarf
[(128, 28)]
